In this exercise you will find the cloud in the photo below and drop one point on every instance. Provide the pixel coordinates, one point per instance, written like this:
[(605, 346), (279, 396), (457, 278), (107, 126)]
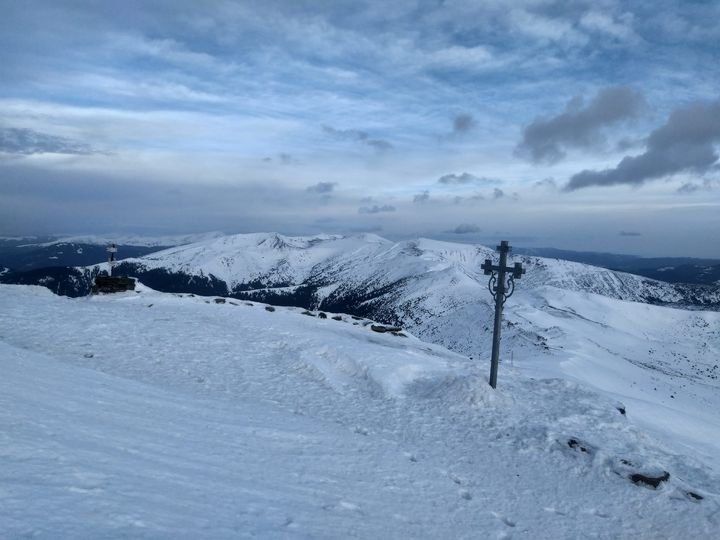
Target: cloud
[(690, 187), (476, 197), (358, 136), (463, 123), (466, 178), (580, 125), (375, 209), (421, 197), (629, 233), (685, 143), (370, 229), (498, 194), (379, 144), (76, 201), (283, 158), (545, 183), (620, 28), (322, 187), (465, 228), (27, 141)]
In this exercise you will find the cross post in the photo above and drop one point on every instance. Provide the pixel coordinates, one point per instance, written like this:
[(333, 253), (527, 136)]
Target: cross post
[(112, 250), (501, 286)]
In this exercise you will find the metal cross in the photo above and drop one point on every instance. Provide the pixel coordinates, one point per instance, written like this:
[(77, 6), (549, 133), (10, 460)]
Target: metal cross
[(112, 250), (501, 285)]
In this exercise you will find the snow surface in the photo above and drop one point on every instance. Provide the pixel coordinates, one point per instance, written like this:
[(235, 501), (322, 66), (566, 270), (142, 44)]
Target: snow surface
[(662, 363), (151, 415)]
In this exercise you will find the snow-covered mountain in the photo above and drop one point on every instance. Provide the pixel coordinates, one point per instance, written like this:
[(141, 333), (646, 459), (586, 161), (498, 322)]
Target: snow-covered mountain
[(156, 415), (272, 261), (436, 289), (30, 254)]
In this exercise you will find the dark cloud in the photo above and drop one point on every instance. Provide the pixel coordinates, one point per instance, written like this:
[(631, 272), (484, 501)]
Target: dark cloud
[(358, 136), (465, 228), (326, 220), (286, 159), (370, 229), (462, 123), (322, 187), (629, 233), (691, 187), (376, 209), (73, 201), (498, 194), (379, 144), (283, 158), (467, 178), (476, 197), (685, 143), (580, 125), (421, 197), (623, 145), (27, 141), (546, 183)]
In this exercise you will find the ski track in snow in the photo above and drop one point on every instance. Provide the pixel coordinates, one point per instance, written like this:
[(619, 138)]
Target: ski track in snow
[(154, 416)]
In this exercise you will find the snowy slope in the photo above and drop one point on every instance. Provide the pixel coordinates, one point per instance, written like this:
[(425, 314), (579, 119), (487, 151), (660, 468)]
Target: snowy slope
[(662, 363), (436, 289), (159, 416), (269, 260)]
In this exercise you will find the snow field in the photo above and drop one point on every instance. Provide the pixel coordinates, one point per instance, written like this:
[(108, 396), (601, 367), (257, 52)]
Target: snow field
[(158, 416)]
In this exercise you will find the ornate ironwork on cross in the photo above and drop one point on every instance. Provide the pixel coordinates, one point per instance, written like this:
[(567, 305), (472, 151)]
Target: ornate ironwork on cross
[(501, 286)]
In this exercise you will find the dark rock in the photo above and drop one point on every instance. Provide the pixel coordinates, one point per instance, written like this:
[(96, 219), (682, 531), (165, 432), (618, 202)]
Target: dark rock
[(269, 308), (322, 315), (652, 481), (250, 304), (382, 328), (695, 496), (621, 409), (219, 300), (577, 445), (113, 284), (399, 334), (308, 313), (337, 318)]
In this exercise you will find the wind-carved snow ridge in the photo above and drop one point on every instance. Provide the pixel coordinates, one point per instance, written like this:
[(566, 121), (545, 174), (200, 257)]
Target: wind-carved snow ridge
[(173, 415)]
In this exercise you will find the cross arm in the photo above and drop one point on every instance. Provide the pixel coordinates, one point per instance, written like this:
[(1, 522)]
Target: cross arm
[(517, 270)]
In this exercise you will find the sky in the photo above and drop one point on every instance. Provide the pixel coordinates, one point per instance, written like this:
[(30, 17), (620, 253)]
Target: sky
[(586, 125)]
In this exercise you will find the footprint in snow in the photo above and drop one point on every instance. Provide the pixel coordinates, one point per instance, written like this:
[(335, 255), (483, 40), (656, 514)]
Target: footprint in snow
[(410, 456), (507, 521)]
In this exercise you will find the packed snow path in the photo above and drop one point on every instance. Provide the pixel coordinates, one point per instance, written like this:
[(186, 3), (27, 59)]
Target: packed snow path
[(151, 415)]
